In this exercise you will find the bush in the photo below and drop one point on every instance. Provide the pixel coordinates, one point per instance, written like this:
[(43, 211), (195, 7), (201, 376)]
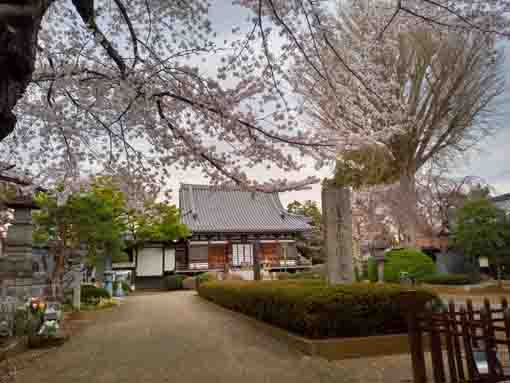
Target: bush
[(91, 294), (283, 275), (372, 270), (126, 287), (174, 282), (417, 264), (314, 309), (447, 279), (206, 277)]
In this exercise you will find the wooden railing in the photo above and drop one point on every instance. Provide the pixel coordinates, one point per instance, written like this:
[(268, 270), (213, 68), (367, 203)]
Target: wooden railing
[(467, 343)]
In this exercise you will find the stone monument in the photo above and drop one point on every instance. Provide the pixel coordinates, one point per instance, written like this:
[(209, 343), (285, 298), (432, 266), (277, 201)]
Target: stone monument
[(16, 266), (337, 220)]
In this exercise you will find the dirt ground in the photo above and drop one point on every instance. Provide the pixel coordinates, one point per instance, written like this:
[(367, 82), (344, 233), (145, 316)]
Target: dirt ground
[(178, 337)]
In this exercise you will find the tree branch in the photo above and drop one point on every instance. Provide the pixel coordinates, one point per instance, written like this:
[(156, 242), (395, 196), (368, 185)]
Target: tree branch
[(10, 10), (87, 15), (243, 123)]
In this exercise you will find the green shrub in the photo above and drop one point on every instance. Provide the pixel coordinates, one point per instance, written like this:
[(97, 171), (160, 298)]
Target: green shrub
[(206, 277), (91, 294), (357, 276), (314, 309), (126, 287), (364, 271), (417, 264), (372, 270), (283, 275), (174, 282), (447, 279)]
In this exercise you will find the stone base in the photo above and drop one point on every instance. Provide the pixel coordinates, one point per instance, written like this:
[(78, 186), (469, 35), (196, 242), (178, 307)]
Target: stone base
[(38, 341)]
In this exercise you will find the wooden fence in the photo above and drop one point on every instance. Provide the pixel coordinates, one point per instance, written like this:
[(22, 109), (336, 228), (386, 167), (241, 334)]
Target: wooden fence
[(467, 343)]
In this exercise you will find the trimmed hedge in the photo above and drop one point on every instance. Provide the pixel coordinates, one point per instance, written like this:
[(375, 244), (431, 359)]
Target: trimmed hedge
[(300, 275), (313, 309), (174, 282), (412, 261), (447, 279), (91, 294)]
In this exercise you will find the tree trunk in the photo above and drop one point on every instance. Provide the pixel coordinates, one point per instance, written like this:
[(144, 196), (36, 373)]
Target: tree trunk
[(337, 221), (409, 209), (18, 48)]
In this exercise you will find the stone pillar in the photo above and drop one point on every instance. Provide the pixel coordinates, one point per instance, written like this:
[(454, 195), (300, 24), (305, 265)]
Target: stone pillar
[(337, 222)]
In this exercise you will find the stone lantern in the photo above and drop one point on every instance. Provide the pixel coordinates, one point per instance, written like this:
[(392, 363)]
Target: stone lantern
[(378, 249)]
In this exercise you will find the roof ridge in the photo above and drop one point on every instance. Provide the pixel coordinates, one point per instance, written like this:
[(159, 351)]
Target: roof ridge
[(224, 188), (503, 197)]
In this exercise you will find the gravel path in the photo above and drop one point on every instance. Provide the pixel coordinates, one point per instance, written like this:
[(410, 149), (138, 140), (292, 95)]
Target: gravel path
[(177, 337)]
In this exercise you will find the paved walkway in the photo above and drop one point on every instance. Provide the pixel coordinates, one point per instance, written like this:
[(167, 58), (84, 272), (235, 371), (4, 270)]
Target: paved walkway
[(177, 337)]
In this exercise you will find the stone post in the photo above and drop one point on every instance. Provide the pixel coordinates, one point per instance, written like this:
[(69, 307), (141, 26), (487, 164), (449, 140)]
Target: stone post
[(337, 222)]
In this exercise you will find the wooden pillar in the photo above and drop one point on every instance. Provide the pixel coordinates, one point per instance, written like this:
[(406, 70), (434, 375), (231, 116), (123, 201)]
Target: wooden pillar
[(337, 222), (256, 260), (410, 310)]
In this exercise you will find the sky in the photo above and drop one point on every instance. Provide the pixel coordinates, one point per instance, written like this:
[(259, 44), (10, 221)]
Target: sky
[(490, 161)]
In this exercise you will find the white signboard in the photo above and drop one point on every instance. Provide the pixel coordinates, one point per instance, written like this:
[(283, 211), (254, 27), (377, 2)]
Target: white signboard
[(484, 261), (169, 259), (149, 262)]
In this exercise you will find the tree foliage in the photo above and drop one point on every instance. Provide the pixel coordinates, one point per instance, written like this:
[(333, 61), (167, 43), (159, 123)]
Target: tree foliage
[(100, 218), (154, 85), (309, 209), (482, 230), (159, 222), (430, 97), (95, 218)]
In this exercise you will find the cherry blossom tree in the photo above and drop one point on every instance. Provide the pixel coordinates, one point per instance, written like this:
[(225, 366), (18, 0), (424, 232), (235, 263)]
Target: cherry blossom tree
[(428, 95), (379, 211), (129, 84)]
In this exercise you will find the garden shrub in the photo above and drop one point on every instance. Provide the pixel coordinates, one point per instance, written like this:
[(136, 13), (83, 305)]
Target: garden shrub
[(417, 264), (206, 277), (283, 275), (447, 279), (314, 309), (372, 270), (357, 276), (91, 294), (126, 287), (174, 282)]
